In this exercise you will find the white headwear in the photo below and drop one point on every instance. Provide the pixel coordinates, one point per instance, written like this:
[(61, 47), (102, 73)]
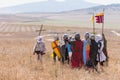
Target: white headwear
[(39, 39), (98, 37), (56, 37)]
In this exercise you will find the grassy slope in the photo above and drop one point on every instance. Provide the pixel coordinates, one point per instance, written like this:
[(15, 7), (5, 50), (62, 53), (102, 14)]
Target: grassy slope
[(18, 63)]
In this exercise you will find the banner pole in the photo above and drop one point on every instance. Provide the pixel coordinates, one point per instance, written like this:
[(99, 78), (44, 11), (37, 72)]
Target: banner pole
[(93, 24), (103, 23)]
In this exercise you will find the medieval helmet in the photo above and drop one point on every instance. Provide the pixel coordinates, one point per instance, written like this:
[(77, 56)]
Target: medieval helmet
[(65, 37), (77, 36), (87, 35), (92, 36)]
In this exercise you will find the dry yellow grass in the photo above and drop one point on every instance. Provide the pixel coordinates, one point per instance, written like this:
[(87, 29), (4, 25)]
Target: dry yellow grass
[(18, 63)]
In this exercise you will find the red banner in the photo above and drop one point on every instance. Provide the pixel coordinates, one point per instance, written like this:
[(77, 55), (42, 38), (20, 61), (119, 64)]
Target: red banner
[(99, 18)]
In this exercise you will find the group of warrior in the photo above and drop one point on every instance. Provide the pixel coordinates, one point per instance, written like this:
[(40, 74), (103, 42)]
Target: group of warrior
[(78, 53)]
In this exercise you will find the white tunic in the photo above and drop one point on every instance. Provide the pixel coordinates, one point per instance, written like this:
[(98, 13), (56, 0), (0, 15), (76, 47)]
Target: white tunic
[(102, 56)]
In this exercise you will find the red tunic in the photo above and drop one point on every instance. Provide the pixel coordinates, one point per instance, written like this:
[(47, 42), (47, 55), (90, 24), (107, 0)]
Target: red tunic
[(77, 48)]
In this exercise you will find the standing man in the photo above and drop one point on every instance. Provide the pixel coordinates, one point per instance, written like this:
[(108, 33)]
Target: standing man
[(39, 49), (56, 48), (92, 63), (66, 49), (86, 48), (101, 58), (77, 49)]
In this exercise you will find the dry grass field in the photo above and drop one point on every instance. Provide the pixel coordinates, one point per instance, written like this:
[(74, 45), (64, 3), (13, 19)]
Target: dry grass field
[(18, 63)]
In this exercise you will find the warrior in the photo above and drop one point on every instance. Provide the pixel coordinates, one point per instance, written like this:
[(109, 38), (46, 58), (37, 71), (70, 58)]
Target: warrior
[(92, 62), (66, 49), (86, 48), (77, 49), (39, 49), (56, 48), (101, 56)]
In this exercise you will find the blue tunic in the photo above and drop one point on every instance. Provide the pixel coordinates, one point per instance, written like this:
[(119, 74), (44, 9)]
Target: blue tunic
[(84, 52), (68, 46)]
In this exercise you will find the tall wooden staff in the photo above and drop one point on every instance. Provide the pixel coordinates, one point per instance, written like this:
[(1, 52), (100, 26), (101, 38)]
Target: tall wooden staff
[(93, 20), (103, 23), (40, 29)]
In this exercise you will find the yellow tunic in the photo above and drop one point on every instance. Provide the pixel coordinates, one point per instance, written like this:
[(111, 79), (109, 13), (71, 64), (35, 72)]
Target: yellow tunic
[(56, 48)]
